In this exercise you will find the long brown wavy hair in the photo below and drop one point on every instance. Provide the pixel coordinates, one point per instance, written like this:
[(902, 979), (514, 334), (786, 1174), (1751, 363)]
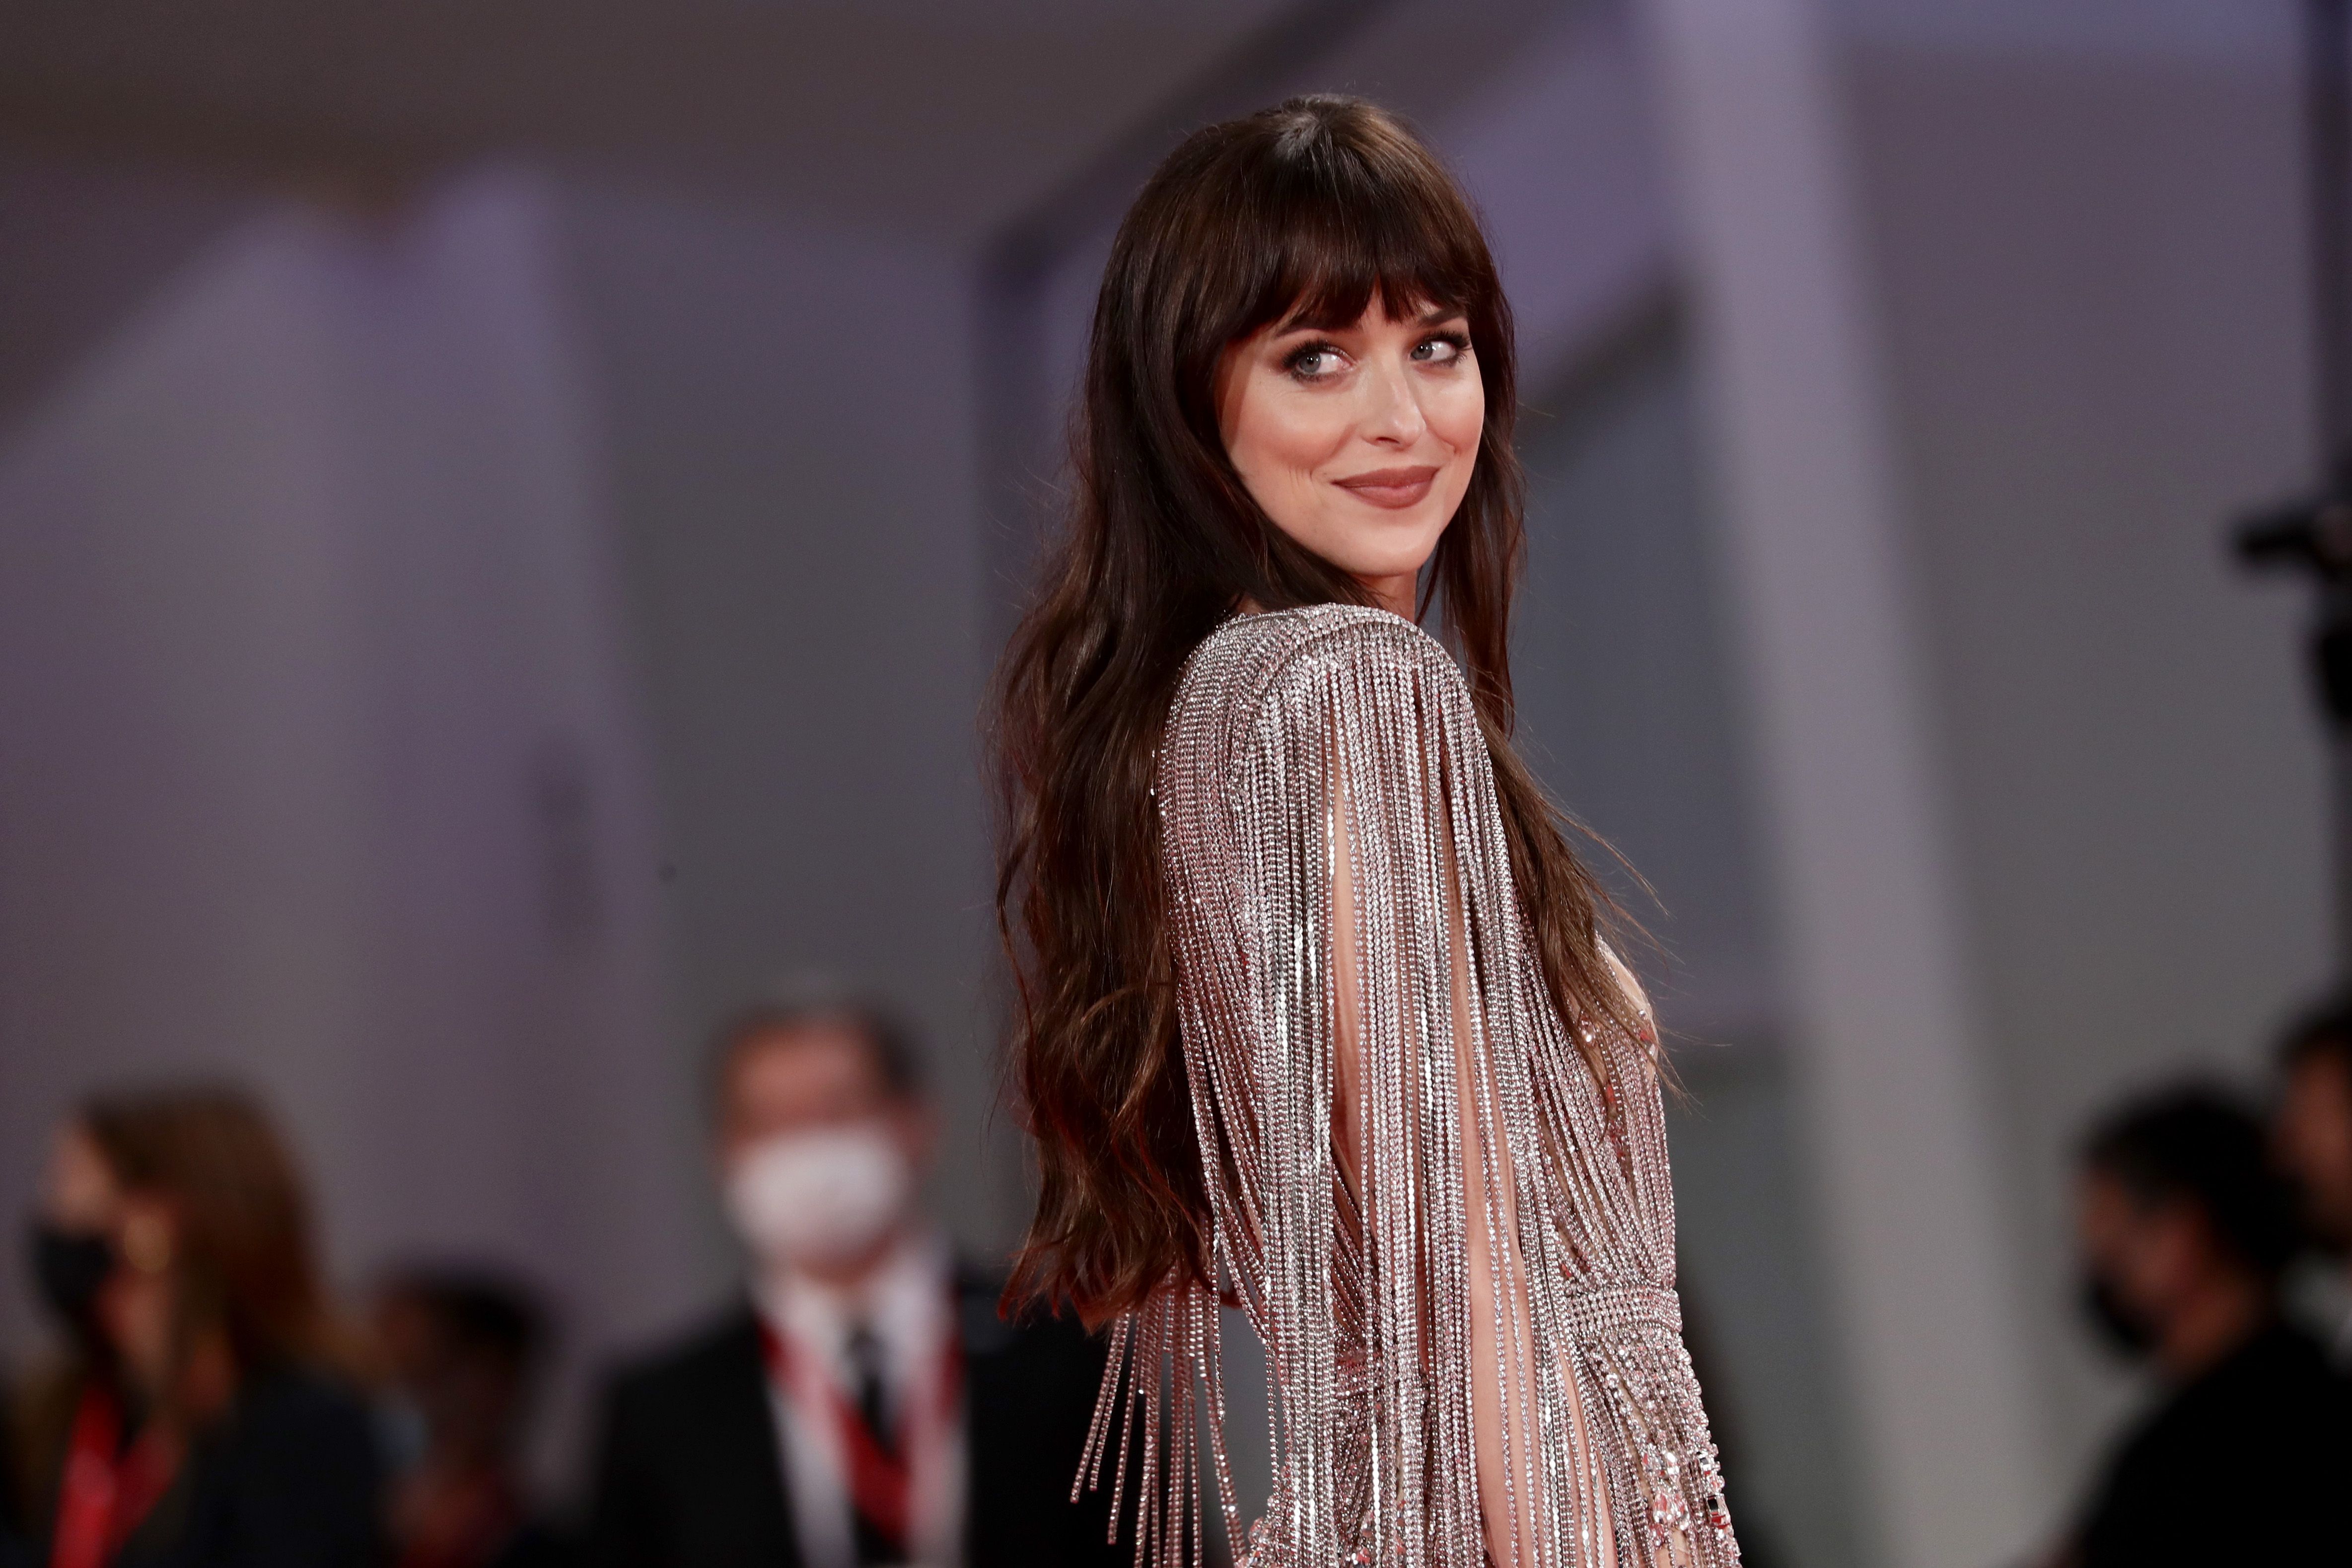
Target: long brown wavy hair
[(244, 1255), (1303, 213)]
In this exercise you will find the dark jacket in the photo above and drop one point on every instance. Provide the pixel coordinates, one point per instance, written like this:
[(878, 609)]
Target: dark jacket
[(689, 1475), (289, 1478), (2240, 1466)]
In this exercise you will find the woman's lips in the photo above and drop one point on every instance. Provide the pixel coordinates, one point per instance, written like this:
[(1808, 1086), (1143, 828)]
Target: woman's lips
[(1392, 487)]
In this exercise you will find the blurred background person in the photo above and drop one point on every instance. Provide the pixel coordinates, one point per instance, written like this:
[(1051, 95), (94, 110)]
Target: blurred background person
[(2184, 1230), (865, 1405), (2311, 1137), (198, 1419), (462, 1352)]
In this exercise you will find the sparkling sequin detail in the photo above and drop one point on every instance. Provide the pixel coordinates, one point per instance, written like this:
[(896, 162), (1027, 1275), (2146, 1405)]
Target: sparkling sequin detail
[(1364, 1307)]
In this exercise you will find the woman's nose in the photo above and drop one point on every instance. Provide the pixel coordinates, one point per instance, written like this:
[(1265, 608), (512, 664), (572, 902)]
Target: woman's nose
[(1395, 415)]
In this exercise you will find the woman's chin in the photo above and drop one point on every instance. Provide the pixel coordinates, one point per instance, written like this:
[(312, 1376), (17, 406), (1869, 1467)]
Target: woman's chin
[(1401, 554)]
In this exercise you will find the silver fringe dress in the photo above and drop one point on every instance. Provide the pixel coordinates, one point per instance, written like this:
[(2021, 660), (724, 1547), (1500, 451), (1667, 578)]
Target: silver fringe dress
[(1360, 1288)]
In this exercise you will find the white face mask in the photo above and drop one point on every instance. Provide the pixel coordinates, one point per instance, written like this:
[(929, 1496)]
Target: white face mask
[(819, 1198)]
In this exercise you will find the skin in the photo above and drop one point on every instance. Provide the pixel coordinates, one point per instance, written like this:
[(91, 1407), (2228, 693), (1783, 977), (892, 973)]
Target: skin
[(2170, 1272), (135, 1308), (2311, 1137), (822, 1075), (1358, 443)]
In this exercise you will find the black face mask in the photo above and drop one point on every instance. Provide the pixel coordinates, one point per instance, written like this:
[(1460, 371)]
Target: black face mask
[(71, 1267), (2119, 1330)]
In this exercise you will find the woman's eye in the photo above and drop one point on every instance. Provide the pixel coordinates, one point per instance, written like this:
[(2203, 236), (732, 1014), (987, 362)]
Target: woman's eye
[(1312, 363), (1443, 350)]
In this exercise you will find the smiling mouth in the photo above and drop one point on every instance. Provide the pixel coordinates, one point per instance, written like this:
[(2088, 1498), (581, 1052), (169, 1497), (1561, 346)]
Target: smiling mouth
[(1392, 487)]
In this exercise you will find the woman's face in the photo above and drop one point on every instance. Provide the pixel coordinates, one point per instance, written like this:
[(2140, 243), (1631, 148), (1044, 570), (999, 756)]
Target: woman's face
[(126, 1294), (1358, 443), (79, 1191)]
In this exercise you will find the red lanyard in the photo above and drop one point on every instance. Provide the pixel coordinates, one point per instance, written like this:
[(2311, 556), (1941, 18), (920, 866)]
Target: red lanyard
[(880, 1483), (105, 1492)]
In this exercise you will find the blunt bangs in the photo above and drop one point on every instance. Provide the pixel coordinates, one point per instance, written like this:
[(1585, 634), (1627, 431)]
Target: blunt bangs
[(1330, 225)]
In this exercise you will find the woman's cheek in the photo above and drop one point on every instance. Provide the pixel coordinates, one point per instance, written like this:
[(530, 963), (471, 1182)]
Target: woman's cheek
[(1320, 434), (1461, 415)]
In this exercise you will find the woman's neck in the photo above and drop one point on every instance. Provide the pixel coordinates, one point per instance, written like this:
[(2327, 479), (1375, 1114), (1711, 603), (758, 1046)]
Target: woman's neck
[(1394, 594)]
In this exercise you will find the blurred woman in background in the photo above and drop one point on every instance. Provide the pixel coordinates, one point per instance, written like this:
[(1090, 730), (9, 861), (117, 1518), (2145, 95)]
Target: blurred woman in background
[(196, 1422)]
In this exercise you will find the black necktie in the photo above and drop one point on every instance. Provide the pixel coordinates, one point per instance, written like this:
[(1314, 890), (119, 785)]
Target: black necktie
[(876, 1547), (867, 1360)]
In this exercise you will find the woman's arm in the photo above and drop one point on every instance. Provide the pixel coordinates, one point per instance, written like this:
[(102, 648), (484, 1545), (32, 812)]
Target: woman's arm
[(1371, 1070)]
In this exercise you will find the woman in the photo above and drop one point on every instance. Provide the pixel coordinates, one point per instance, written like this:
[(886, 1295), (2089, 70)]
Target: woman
[(1318, 1012), (196, 1425)]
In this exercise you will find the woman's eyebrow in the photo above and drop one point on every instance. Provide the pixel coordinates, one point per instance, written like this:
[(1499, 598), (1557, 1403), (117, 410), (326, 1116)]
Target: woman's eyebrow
[(1306, 323)]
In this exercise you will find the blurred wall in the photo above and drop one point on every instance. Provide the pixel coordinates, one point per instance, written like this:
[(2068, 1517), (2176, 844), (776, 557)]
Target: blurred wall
[(323, 769), (2086, 225), (2003, 321)]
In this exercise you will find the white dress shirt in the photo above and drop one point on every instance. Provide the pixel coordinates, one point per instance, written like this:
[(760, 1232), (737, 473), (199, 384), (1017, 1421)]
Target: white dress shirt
[(908, 1306)]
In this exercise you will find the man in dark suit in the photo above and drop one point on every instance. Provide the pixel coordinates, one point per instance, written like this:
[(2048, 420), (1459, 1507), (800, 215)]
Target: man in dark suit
[(865, 1405)]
